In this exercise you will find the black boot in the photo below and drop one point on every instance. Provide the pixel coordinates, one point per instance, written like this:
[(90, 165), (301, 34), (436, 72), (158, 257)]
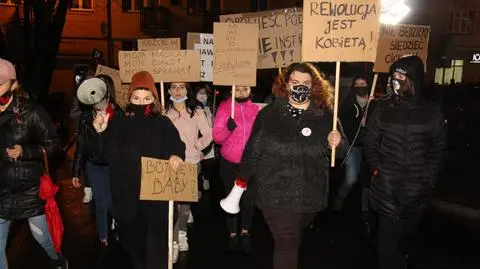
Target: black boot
[(234, 243), (246, 243)]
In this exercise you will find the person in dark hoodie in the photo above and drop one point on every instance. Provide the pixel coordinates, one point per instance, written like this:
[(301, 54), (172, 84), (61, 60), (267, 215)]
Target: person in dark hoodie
[(141, 132), (404, 146), (90, 155), (352, 116)]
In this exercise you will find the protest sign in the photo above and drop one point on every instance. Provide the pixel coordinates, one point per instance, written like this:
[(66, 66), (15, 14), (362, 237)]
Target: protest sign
[(235, 54), (160, 183), (164, 65), (121, 90), (199, 38), (398, 40), (206, 61), (344, 30), (159, 44), (279, 38)]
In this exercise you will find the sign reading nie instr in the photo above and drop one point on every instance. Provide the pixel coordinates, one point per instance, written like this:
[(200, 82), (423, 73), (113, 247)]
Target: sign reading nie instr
[(343, 30), (164, 65), (160, 183)]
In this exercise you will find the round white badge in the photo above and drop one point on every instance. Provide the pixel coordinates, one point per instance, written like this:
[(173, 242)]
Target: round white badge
[(306, 131)]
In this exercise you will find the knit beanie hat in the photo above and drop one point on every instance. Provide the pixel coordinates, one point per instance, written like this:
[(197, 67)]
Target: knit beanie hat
[(143, 80)]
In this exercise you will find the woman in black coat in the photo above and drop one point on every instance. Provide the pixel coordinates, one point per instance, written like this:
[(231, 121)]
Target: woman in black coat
[(26, 134), (286, 160), (141, 132)]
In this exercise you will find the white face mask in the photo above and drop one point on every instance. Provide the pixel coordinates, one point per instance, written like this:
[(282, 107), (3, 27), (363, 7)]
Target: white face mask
[(362, 101), (202, 98), (177, 101)]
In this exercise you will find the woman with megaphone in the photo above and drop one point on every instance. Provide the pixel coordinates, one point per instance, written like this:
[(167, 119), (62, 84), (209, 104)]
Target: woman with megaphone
[(98, 94), (141, 132), (286, 160)]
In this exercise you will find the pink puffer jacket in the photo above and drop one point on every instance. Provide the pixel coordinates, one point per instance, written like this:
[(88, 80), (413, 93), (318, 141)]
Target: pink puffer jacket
[(233, 143)]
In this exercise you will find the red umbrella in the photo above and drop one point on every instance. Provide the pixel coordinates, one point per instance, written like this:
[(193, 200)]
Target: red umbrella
[(52, 213)]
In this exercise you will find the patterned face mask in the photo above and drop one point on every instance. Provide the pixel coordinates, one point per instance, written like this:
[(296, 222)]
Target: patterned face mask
[(300, 93)]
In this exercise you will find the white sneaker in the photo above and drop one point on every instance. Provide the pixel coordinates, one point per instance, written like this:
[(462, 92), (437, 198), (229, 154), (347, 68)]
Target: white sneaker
[(175, 252), (182, 241), (206, 184), (190, 218), (87, 198)]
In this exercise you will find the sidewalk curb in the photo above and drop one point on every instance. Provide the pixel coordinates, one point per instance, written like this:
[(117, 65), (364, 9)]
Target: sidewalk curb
[(467, 213)]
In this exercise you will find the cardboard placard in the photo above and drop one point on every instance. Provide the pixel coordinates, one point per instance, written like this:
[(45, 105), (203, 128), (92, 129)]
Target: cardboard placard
[(235, 54), (121, 90), (159, 44), (206, 61), (160, 183), (344, 30), (398, 40), (198, 38), (164, 65), (280, 35)]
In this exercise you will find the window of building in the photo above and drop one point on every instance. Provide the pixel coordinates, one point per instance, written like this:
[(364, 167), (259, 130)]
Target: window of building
[(445, 75), (461, 22), (129, 45), (8, 2), (133, 5), (81, 4)]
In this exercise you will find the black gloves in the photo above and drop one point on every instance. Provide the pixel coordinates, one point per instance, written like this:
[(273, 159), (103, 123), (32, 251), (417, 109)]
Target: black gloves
[(231, 125)]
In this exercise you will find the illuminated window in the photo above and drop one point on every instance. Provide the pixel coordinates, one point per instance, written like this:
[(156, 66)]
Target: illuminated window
[(8, 2), (445, 75), (133, 5), (81, 4)]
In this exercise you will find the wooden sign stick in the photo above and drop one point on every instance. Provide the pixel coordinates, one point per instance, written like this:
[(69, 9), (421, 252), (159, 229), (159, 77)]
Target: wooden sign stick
[(335, 109), (162, 95), (170, 233), (233, 101)]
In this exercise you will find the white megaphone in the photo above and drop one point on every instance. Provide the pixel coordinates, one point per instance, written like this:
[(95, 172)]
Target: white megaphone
[(92, 91), (231, 204)]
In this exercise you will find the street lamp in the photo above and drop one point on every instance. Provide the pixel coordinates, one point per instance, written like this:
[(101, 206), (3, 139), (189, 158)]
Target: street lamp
[(393, 11)]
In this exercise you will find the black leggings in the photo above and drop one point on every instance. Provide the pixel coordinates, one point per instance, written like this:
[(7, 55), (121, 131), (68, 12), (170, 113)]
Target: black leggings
[(228, 173), (287, 229)]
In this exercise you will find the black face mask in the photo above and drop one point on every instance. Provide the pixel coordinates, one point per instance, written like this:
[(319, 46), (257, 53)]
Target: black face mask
[(242, 100), (5, 98), (361, 91), (138, 110), (300, 93)]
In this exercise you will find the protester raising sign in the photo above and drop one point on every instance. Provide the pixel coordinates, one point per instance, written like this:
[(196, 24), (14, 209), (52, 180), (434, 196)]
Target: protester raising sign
[(160, 183), (280, 35), (398, 40), (204, 44), (235, 54), (165, 65), (121, 90), (159, 44), (344, 30)]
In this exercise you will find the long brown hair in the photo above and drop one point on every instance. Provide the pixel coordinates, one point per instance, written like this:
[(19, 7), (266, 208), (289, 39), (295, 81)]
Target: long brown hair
[(322, 91)]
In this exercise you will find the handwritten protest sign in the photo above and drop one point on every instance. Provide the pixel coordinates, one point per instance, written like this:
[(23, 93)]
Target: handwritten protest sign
[(206, 61), (344, 30), (159, 44), (235, 54), (279, 38), (121, 90), (160, 183), (198, 38), (398, 40), (164, 65)]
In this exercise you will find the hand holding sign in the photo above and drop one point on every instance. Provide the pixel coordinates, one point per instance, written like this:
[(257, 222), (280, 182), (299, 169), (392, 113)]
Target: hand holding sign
[(175, 162)]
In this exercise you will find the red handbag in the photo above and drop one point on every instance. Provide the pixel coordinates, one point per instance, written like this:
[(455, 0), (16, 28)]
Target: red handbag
[(48, 190)]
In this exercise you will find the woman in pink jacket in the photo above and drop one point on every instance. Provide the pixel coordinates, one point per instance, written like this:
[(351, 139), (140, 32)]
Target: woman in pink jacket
[(232, 135)]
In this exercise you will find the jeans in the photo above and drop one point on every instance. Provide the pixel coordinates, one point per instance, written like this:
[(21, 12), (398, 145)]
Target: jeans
[(38, 227), (99, 180), (287, 229), (353, 165)]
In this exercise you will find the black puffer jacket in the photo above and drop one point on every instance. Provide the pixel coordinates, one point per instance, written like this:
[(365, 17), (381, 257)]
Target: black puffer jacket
[(33, 129), (405, 143), (286, 165)]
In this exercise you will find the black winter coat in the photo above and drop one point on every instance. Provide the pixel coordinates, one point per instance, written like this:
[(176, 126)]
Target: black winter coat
[(89, 145), (128, 138), (351, 114), (287, 166), (32, 129), (405, 142)]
